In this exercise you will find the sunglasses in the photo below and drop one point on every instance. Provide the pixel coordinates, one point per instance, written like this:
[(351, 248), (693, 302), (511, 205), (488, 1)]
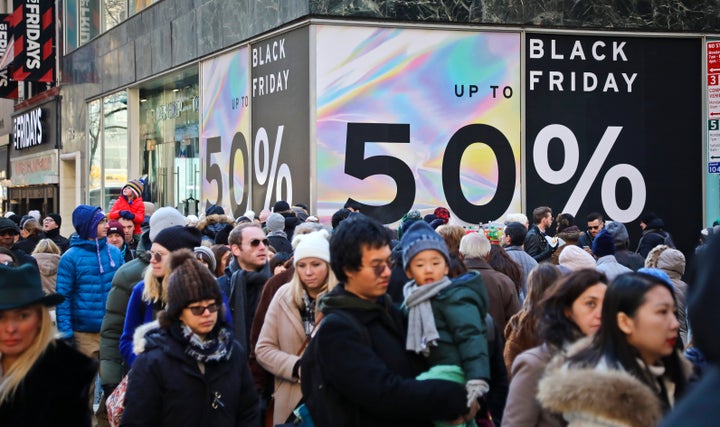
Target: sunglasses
[(379, 268), (256, 242), (593, 227), (7, 233), (198, 310), (157, 256)]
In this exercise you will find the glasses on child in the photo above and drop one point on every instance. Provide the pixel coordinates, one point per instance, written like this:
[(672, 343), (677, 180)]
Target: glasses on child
[(379, 268), (198, 310), (256, 242)]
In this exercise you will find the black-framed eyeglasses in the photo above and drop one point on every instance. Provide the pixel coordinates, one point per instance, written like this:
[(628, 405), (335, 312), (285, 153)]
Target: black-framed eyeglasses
[(379, 268), (199, 310), (256, 242), (157, 256), (48, 220)]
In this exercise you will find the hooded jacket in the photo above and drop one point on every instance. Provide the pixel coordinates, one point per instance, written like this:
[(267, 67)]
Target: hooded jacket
[(85, 276), (654, 234), (672, 262), (167, 388), (48, 266)]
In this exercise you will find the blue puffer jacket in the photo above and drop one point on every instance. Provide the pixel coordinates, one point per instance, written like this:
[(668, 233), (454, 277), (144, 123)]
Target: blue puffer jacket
[(85, 284)]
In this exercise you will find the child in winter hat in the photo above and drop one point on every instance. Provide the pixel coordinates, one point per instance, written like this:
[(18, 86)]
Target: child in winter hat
[(458, 313), (130, 205)]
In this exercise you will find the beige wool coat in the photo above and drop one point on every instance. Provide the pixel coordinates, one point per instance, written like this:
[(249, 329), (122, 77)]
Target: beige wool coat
[(281, 338)]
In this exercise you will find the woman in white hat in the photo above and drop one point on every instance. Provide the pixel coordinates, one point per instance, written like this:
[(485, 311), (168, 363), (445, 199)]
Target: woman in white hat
[(291, 319), (42, 379)]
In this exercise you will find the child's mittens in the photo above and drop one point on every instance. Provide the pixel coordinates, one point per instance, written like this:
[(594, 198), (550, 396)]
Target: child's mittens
[(127, 215), (475, 390)]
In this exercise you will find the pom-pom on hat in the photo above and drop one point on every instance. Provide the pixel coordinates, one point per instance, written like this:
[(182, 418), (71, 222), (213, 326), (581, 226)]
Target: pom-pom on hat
[(419, 237), (188, 282), (163, 218), (179, 237), (311, 245), (136, 186), (603, 244)]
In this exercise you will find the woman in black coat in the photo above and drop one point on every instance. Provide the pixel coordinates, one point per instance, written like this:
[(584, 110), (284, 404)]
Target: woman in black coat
[(43, 381), (190, 370)]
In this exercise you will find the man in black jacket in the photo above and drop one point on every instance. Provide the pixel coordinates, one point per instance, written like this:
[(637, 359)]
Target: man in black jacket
[(536, 245), (356, 370)]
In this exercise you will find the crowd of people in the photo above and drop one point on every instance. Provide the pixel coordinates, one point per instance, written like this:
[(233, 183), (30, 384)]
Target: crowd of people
[(277, 318)]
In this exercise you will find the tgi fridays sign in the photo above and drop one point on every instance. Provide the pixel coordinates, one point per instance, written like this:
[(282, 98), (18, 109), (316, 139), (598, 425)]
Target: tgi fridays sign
[(713, 106), (28, 129)]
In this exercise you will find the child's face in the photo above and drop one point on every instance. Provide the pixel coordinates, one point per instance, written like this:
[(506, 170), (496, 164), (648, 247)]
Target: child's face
[(127, 192), (427, 267)]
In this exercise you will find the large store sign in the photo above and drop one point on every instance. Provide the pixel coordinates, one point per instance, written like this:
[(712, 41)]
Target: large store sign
[(28, 129), (418, 119), (612, 126), (33, 25)]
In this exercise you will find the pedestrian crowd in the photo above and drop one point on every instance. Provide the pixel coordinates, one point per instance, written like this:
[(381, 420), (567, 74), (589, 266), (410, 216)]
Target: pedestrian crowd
[(279, 319)]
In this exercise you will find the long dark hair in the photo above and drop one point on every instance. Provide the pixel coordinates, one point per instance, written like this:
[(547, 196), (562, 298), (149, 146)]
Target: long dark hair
[(556, 328), (500, 261), (626, 294)]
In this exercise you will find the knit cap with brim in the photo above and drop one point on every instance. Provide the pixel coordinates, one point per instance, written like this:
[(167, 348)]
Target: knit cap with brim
[(136, 186), (179, 237), (420, 236), (189, 282), (163, 218), (311, 245)]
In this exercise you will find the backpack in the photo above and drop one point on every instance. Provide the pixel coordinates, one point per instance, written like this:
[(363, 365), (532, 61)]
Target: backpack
[(326, 406)]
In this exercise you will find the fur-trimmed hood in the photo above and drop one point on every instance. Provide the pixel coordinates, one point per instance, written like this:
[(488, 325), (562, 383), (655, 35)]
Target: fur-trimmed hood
[(140, 340), (598, 397)]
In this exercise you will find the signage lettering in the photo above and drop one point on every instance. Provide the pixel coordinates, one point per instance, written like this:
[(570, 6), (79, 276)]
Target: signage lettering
[(28, 129), (32, 23)]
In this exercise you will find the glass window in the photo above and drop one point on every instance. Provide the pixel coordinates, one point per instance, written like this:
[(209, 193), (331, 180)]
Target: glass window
[(114, 12), (94, 153)]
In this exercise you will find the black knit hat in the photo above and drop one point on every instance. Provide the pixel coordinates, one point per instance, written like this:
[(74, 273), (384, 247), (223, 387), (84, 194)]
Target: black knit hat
[(178, 237), (188, 282), (57, 218)]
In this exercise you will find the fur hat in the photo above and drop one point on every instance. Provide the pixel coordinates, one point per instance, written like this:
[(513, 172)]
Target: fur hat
[(619, 232), (275, 222), (114, 227), (188, 282), (207, 255), (178, 237), (281, 206), (419, 237), (603, 244), (85, 219), (575, 258), (8, 224), (57, 218), (136, 186), (311, 245), (164, 218)]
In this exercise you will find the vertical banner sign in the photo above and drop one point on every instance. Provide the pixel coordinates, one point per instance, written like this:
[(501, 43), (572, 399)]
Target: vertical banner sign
[(712, 50), (612, 127), (70, 23), (281, 119), (415, 119), (88, 18), (8, 88), (225, 132), (34, 30)]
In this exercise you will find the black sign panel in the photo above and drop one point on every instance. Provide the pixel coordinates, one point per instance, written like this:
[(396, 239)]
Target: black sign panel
[(613, 127)]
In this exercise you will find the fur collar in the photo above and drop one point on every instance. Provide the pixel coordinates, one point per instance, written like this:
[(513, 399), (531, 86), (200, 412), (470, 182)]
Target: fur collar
[(139, 340)]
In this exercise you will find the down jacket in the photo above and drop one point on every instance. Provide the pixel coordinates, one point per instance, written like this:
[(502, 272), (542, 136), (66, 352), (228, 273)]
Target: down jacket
[(167, 388), (84, 277), (136, 207)]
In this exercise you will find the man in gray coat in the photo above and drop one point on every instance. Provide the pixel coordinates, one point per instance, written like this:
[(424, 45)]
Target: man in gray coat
[(513, 241)]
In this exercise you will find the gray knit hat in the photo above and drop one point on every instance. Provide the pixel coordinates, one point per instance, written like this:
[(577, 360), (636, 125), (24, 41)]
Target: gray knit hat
[(188, 282), (275, 222), (207, 255), (163, 218)]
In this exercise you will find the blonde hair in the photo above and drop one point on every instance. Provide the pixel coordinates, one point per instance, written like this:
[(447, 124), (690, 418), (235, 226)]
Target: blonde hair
[(11, 380), (297, 289), (154, 290), (46, 246), (452, 234)]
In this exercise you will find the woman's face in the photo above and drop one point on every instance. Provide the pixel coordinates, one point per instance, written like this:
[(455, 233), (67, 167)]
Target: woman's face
[(585, 310), (313, 273), (158, 259), (653, 330), (225, 260), (18, 329), (201, 324)]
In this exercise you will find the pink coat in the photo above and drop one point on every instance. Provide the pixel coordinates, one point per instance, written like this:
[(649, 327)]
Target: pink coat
[(137, 208)]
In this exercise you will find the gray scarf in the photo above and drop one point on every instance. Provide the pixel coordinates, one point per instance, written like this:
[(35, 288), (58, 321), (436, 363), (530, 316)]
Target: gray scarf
[(422, 333)]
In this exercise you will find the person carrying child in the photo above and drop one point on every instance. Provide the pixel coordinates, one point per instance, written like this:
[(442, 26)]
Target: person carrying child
[(130, 205), (446, 317)]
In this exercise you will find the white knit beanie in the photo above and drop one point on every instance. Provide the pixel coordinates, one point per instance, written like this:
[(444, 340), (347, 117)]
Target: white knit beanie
[(312, 245), (575, 258), (163, 218)]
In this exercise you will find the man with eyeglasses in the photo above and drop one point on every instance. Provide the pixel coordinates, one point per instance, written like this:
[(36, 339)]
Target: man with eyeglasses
[(359, 351), (595, 223), (245, 276), (9, 233), (51, 228), (84, 278)]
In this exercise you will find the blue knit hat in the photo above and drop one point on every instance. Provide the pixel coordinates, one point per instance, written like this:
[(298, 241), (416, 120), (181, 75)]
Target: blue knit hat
[(603, 244), (419, 237)]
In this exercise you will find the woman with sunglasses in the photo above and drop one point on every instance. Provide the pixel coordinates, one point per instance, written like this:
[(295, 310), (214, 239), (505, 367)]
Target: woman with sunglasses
[(190, 370), (43, 381), (632, 371), (570, 311), (291, 319)]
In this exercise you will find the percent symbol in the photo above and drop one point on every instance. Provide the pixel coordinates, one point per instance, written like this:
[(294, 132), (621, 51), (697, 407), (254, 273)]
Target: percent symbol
[(590, 173), (269, 172)]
